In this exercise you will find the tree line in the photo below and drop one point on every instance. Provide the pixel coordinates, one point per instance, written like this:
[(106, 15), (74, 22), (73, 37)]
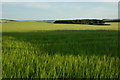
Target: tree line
[(111, 20), (83, 21)]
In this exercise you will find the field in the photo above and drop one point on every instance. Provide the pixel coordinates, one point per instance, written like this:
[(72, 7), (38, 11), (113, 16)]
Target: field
[(46, 50)]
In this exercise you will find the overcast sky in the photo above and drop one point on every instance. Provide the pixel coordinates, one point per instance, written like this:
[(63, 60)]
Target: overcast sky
[(58, 10), (59, 0)]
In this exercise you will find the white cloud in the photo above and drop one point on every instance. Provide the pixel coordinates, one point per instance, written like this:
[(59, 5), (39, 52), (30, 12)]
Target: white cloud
[(35, 5), (43, 5), (60, 0)]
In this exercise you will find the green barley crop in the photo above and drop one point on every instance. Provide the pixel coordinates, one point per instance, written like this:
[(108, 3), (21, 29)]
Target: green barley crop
[(59, 53)]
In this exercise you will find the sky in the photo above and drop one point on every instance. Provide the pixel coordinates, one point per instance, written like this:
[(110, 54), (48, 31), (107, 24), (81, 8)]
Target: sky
[(59, 10), (59, 0)]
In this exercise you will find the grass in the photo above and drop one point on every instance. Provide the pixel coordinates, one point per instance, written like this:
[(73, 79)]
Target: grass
[(45, 50), (36, 26)]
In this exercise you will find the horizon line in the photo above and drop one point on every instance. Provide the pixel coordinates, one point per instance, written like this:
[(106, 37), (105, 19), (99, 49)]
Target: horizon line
[(57, 19)]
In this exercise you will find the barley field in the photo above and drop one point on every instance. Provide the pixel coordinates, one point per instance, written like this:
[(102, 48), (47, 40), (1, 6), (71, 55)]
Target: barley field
[(47, 50)]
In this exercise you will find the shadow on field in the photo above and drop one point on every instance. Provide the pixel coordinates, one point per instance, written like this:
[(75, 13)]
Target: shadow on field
[(70, 42)]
